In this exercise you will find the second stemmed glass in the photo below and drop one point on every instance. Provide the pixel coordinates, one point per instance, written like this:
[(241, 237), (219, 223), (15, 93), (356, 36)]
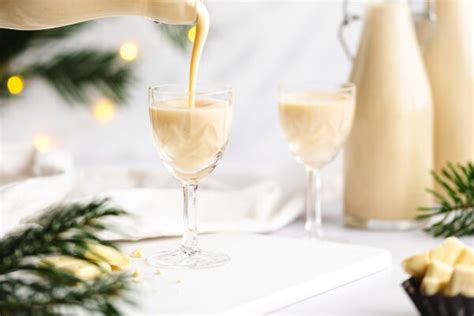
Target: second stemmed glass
[(316, 119), (190, 140)]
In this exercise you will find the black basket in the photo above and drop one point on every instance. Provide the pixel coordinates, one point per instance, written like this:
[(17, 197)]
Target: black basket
[(438, 305)]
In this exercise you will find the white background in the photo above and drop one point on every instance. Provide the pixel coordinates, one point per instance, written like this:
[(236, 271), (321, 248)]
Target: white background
[(252, 46)]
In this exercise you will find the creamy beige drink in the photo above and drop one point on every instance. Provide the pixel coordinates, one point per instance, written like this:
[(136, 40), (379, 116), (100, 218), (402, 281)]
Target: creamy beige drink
[(191, 140), (202, 29), (191, 133), (191, 129), (316, 125), (389, 151), (449, 52)]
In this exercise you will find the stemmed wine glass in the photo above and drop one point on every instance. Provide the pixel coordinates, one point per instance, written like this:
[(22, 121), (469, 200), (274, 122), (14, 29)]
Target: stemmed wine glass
[(316, 119), (190, 140)]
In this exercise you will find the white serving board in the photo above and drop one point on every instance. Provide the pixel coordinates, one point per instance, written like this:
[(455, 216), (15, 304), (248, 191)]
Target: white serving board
[(265, 273)]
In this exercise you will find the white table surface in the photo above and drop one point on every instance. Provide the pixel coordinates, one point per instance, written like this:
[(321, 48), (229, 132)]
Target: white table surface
[(379, 294)]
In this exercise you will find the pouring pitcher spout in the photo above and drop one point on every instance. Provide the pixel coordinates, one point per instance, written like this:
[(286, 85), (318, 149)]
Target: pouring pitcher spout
[(45, 14)]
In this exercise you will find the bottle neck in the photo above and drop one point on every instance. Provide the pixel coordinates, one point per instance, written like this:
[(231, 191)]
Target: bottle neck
[(44, 14)]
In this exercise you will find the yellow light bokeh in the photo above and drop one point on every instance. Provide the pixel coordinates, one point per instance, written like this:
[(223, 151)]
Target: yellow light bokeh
[(192, 34), (104, 110), (15, 84), (128, 51), (43, 142)]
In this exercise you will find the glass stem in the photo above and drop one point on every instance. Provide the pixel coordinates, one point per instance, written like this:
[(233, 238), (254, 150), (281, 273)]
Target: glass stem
[(190, 239), (314, 225)]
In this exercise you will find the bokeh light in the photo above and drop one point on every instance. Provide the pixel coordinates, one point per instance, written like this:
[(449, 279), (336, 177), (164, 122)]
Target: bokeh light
[(43, 142), (104, 110), (15, 84), (192, 34), (128, 51)]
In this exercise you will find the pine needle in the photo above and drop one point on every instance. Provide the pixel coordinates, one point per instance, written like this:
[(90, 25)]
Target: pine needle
[(454, 213), (177, 34), (74, 74), (15, 42), (27, 288)]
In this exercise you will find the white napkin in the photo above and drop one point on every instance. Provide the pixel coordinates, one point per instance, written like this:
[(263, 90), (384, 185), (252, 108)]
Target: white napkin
[(156, 213), (153, 199), (31, 181)]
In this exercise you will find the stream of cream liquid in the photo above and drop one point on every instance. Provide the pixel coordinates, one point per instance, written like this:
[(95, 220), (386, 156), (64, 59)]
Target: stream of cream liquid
[(202, 29)]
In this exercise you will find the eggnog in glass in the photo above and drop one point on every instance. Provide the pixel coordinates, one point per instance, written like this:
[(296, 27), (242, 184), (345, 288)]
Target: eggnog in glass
[(316, 119), (191, 126), (190, 141)]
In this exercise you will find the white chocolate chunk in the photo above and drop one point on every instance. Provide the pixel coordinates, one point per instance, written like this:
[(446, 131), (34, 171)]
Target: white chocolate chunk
[(462, 282), (439, 270), (137, 275), (431, 286), (109, 255), (137, 253), (437, 275), (416, 265), (58, 261), (447, 268), (448, 252), (87, 272), (466, 257), (80, 268)]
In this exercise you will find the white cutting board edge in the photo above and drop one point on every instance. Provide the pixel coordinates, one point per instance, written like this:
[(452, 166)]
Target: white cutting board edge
[(237, 288), (316, 287)]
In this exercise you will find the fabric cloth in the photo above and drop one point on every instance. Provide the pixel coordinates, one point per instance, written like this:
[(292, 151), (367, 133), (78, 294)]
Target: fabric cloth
[(32, 181)]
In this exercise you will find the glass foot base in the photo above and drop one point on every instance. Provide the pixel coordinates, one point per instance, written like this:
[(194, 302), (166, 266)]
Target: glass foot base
[(183, 258), (381, 224), (322, 236)]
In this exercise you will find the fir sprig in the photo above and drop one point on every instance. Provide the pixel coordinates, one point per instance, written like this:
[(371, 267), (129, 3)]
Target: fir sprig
[(35, 297), (27, 288), (15, 42), (73, 74), (177, 34), (454, 213)]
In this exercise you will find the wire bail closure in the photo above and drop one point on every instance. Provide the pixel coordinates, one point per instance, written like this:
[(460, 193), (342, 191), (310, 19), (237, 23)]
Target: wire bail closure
[(346, 20), (429, 14)]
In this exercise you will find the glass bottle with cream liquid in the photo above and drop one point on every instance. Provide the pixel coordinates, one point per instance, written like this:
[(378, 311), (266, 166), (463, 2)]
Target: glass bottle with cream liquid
[(389, 153), (446, 36)]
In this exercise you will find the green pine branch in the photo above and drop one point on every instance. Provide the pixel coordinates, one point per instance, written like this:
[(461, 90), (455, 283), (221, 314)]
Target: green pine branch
[(28, 288), (74, 74), (15, 42), (44, 298), (454, 213), (177, 34)]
